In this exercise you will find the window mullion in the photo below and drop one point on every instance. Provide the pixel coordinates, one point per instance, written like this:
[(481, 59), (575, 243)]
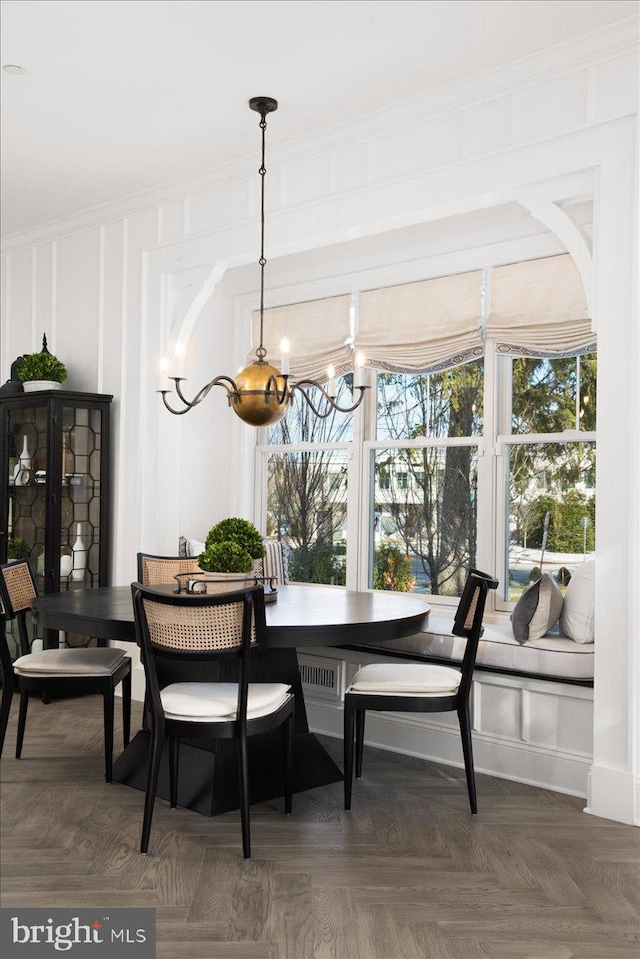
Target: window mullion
[(485, 547), (357, 505)]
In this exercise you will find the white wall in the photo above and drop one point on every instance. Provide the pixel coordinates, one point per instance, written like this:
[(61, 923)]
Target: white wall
[(110, 288)]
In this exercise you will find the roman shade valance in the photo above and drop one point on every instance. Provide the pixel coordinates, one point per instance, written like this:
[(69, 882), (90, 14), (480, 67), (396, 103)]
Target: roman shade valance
[(316, 330), (422, 327), (539, 308), (532, 308)]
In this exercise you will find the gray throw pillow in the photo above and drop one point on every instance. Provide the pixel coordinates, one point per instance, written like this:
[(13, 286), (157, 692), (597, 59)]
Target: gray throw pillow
[(537, 611)]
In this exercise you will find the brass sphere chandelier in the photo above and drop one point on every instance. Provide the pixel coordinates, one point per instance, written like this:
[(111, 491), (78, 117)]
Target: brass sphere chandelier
[(261, 394)]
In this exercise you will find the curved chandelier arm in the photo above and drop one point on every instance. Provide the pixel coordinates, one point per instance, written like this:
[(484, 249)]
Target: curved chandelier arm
[(231, 389), (272, 386), (164, 394), (330, 399), (225, 381)]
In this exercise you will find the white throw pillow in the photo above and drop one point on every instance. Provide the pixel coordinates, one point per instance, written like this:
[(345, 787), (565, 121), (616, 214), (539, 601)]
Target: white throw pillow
[(578, 612), (194, 547)]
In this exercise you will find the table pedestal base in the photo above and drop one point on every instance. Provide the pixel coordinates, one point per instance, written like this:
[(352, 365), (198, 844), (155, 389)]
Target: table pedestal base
[(208, 781)]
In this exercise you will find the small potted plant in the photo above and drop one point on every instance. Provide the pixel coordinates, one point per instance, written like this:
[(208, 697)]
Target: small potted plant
[(18, 549), (41, 371), (231, 549)]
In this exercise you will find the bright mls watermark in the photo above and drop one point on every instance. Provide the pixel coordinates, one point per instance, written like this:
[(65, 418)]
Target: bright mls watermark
[(79, 933)]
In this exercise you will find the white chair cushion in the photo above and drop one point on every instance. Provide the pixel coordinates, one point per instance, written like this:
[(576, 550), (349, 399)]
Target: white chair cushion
[(411, 678), (578, 613), (217, 702), (70, 662)]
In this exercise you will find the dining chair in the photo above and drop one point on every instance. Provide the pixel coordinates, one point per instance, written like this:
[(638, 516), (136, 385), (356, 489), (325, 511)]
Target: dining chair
[(159, 570), (203, 628), (420, 687), (55, 672)]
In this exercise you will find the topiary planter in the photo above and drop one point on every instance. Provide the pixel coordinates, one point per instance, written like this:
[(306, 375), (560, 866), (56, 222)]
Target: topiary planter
[(34, 386), (221, 582)]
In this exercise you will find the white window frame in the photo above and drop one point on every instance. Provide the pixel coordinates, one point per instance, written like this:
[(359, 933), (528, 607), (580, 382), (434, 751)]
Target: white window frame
[(502, 441), (493, 494)]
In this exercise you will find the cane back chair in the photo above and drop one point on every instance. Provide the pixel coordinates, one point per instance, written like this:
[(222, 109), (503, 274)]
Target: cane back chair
[(420, 687), (201, 628), (55, 672)]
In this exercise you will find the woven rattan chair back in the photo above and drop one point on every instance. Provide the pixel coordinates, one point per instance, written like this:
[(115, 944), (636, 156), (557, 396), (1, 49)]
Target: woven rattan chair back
[(160, 570), (17, 586), (200, 624), (194, 629)]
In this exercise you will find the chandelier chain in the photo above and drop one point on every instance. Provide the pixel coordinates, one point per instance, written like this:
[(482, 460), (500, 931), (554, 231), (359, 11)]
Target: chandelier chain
[(261, 352)]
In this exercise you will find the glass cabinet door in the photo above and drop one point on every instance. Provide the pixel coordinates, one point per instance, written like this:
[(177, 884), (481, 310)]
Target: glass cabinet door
[(54, 497), (27, 433), (81, 514)]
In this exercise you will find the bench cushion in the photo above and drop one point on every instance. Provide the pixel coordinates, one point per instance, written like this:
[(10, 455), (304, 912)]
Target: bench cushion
[(552, 655)]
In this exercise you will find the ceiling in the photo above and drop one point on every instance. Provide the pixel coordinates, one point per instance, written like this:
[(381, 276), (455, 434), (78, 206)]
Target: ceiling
[(123, 95)]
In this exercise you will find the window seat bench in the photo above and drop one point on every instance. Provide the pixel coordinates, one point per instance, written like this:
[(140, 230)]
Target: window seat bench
[(553, 657)]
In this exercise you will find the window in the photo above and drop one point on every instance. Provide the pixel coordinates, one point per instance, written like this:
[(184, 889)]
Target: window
[(307, 484), (429, 515), (485, 459), (550, 469)]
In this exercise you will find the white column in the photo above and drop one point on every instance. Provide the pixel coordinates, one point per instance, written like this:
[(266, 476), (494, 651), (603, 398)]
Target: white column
[(613, 777)]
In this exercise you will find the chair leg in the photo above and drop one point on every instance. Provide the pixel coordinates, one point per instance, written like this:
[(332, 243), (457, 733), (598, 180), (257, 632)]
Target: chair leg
[(465, 730), (288, 764), (360, 714), (243, 770), (174, 759), (349, 720), (145, 711), (126, 708), (5, 709), (155, 755), (108, 699), (22, 721)]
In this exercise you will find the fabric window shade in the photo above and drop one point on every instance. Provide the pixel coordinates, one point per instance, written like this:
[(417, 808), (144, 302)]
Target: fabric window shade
[(424, 326), (539, 308), (316, 331)]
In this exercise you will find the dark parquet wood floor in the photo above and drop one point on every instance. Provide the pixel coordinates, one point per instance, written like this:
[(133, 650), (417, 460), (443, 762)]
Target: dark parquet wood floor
[(408, 874)]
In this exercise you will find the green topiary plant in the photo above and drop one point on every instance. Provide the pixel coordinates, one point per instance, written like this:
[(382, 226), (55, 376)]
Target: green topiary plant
[(226, 557), (42, 366), (239, 531), (18, 549)]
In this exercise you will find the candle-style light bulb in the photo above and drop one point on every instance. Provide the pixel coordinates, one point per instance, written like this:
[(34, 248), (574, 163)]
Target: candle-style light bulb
[(284, 359), (359, 375), (179, 353), (331, 376), (164, 370)]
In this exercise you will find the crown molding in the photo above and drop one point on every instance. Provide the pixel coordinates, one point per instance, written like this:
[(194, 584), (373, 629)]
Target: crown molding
[(588, 50)]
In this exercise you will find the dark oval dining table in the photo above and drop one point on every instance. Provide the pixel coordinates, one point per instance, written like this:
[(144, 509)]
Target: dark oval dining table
[(304, 615)]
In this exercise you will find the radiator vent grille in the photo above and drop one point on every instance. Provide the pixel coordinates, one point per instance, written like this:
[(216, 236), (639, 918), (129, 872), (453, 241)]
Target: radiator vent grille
[(322, 677)]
